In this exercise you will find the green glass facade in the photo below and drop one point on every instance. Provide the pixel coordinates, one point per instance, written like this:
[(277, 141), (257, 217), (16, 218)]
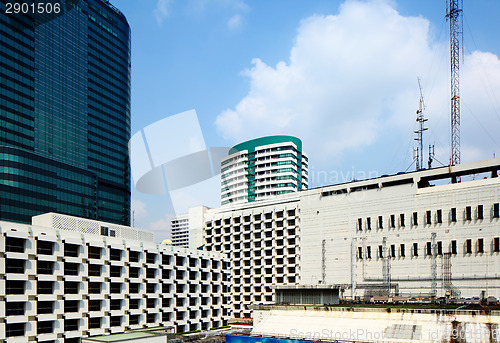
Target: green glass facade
[(65, 112)]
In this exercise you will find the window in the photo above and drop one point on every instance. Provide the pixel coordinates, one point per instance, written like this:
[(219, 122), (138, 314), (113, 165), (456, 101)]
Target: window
[(415, 218), (429, 249), (428, 217), (415, 249), (44, 248), (393, 221), (380, 222), (393, 250), (480, 245), (94, 323), (440, 248), (402, 250), (368, 223), (454, 247), (380, 251), (104, 230), (468, 246), (360, 252), (17, 308), (496, 210), (95, 305), (402, 219), (496, 244), (439, 216), (368, 252), (468, 213), (360, 224), (16, 329), (454, 214), (480, 214)]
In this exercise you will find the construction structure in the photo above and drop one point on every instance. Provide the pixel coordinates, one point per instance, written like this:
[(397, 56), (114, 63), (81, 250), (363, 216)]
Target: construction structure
[(454, 14)]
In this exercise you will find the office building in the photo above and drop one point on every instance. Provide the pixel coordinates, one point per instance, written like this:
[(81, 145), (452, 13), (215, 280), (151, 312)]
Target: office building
[(65, 112), (187, 229), (419, 234), (262, 168), (65, 278)]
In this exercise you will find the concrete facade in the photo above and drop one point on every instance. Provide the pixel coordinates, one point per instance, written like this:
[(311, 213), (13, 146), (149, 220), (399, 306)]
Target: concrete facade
[(79, 278), (416, 234)]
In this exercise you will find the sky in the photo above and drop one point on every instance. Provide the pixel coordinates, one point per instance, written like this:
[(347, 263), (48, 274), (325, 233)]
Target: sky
[(340, 75)]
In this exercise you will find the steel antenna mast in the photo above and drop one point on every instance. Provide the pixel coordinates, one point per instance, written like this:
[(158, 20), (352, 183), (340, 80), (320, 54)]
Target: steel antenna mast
[(420, 132), (454, 14)]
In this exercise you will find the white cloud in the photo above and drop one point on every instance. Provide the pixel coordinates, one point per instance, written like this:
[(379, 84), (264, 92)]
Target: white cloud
[(234, 22), (161, 227), (162, 10), (351, 81), (138, 209)]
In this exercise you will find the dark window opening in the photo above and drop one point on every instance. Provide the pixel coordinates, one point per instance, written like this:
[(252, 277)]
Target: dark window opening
[(16, 308), (439, 216), (94, 270), (393, 221), (94, 252), (44, 248), (468, 246), (480, 214), (95, 305), (94, 323), (415, 249), (71, 324), (380, 222), (402, 219), (380, 251), (45, 327), (440, 248), (360, 224), (402, 250), (480, 245), (453, 214), (360, 252), (14, 266), (369, 223), (496, 210), (428, 217), (393, 250), (429, 249), (71, 306), (368, 254), (454, 247), (13, 244), (45, 287), (415, 218), (468, 213), (15, 329), (45, 267), (71, 250), (496, 244)]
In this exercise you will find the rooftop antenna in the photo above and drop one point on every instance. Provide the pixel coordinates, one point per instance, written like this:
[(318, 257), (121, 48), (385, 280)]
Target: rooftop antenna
[(419, 158), (454, 13)]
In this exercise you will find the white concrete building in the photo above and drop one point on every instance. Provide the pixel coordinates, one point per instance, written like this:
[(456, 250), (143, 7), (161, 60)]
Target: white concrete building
[(263, 167), (187, 229), (64, 278), (416, 234)]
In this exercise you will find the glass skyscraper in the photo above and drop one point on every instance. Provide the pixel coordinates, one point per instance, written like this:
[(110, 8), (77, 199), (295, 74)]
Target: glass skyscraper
[(64, 111)]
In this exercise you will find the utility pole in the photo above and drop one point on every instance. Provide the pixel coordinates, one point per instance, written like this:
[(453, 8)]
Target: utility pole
[(454, 14), (419, 158)]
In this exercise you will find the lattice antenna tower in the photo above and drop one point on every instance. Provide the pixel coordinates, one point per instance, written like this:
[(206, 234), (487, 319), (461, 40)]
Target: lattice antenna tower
[(419, 156), (454, 14)]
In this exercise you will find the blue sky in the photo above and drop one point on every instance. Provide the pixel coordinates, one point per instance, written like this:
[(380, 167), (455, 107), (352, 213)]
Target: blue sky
[(340, 75)]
